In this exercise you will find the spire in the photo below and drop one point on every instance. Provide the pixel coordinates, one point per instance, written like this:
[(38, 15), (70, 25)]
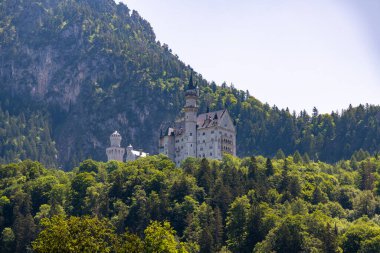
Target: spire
[(191, 86)]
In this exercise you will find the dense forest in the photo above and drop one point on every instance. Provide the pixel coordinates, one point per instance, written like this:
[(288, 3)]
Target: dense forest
[(26, 136), (255, 204), (72, 72)]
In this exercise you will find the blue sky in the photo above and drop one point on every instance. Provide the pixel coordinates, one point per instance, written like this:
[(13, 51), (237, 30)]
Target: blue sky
[(292, 53)]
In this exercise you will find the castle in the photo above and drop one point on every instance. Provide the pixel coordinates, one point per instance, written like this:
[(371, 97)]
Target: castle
[(206, 135), (116, 152)]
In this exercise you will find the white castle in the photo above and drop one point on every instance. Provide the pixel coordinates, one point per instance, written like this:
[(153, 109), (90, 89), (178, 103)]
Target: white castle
[(116, 152), (206, 135)]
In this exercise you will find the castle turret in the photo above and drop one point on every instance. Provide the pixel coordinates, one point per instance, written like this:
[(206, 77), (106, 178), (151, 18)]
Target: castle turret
[(191, 110), (115, 152)]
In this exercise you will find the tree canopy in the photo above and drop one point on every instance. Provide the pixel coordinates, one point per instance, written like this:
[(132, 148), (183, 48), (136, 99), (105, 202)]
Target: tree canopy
[(254, 204)]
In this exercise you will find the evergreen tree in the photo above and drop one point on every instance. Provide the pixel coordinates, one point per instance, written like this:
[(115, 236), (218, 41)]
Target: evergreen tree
[(280, 154), (297, 157), (269, 168)]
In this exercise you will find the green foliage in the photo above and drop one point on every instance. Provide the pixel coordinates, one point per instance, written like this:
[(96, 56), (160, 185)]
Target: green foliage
[(236, 224), (74, 235), (253, 204), (26, 137), (7, 240), (361, 236), (61, 56), (160, 238)]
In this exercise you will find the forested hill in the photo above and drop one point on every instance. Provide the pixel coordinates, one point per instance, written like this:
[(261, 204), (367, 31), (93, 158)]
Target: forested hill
[(81, 69)]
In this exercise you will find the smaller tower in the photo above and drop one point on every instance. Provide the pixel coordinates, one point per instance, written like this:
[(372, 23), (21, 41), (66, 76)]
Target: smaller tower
[(115, 152), (130, 155)]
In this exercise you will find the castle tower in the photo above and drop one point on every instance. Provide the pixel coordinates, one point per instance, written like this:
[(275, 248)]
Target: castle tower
[(191, 110), (115, 152), (130, 155)]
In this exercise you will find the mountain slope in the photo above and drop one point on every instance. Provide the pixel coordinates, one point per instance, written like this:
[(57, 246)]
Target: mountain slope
[(94, 67)]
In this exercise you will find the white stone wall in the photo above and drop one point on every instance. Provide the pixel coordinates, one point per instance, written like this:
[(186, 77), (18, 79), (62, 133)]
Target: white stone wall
[(228, 142), (115, 153), (167, 146), (228, 135), (208, 143), (180, 148)]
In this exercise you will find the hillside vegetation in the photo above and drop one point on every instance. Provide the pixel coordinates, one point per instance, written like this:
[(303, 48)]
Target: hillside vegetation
[(85, 68), (255, 204)]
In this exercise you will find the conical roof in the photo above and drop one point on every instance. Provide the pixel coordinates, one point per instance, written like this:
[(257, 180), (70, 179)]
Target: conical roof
[(191, 85)]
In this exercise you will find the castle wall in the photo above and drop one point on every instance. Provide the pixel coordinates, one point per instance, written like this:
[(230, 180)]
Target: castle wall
[(167, 146), (208, 143), (115, 153), (180, 148)]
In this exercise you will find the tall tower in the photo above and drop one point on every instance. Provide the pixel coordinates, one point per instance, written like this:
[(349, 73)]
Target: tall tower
[(115, 152), (191, 110)]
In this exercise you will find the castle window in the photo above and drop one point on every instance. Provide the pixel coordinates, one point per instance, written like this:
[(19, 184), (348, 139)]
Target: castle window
[(212, 131), (191, 134), (204, 133), (191, 145), (210, 154), (204, 141)]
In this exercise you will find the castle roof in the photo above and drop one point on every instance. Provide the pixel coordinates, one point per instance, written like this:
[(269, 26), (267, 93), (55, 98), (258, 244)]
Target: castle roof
[(204, 120), (210, 119), (173, 128), (138, 153), (115, 134)]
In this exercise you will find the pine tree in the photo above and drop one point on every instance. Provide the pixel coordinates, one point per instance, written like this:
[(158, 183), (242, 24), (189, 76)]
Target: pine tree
[(280, 154), (318, 196), (204, 175), (306, 158), (297, 157), (252, 169), (269, 168), (330, 240)]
